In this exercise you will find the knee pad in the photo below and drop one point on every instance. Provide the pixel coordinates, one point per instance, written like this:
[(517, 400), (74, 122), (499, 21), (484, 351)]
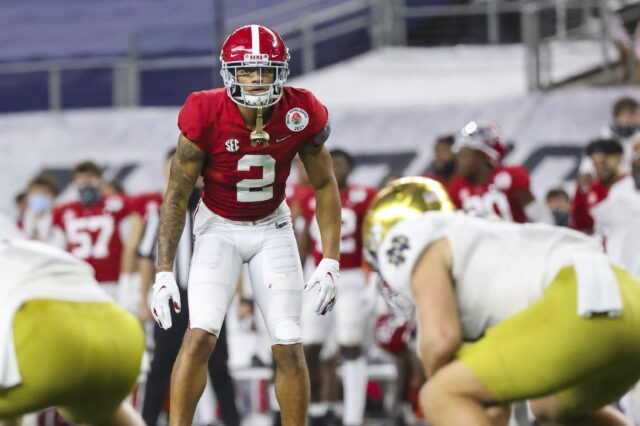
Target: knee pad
[(284, 308), (286, 332), (206, 327)]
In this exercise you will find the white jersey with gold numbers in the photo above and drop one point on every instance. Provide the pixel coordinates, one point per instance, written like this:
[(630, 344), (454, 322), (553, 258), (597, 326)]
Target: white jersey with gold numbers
[(499, 268)]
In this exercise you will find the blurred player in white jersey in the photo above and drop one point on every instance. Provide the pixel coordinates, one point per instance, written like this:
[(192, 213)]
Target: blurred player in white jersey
[(617, 218), (484, 185), (348, 322), (506, 312), (64, 343)]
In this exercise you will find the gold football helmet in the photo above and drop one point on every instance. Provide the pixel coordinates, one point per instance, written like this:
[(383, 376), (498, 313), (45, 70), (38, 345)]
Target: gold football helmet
[(401, 199)]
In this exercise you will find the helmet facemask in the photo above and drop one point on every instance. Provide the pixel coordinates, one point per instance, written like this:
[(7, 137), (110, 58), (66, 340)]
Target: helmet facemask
[(271, 77)]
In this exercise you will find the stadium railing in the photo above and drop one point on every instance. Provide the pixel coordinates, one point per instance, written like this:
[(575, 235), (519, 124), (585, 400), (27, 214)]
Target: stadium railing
[(319, 36)]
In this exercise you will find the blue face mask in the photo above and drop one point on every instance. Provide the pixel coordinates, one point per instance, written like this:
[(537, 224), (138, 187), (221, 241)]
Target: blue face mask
[(39, 203), (561, 218)]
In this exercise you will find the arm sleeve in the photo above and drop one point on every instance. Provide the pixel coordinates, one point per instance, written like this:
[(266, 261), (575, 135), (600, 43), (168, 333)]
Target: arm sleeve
[(192, 119), (319, 120)]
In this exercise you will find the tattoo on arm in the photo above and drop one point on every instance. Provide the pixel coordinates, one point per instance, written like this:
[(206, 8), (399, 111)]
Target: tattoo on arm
[(322, 135), (185, 169)]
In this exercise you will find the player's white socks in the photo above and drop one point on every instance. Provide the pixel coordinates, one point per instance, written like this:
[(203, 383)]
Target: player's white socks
[(336, 407), (318, 409), (354, 380), (273, 399)]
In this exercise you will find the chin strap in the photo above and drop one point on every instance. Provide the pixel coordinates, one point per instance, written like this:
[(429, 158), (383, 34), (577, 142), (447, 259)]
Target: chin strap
[(259, 135)]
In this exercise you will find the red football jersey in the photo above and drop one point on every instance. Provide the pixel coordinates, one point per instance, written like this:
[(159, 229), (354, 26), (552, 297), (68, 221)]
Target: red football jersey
[(146, 203), (496, 196), (92, 232), (355, 201), (297, 193), (244, 182), (583, 201)]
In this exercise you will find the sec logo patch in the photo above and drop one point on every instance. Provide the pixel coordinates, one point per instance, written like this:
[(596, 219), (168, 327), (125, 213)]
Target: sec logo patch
[(232, 145), (297, 119)]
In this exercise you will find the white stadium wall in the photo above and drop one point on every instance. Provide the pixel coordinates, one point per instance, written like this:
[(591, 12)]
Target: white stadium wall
[(548, 132)]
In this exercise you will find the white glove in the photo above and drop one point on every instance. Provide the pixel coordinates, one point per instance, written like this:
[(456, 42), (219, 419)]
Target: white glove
[(326, 275), (165, 288)]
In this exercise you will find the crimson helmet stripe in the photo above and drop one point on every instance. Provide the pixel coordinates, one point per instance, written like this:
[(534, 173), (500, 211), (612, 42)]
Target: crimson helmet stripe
[(255, 39), (254, 44)]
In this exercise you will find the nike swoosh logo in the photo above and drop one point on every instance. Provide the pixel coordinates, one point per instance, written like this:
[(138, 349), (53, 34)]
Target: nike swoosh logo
[(281, 225), (278, 140)]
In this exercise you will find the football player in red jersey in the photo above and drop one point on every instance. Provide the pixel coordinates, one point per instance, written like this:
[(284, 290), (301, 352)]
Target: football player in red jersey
[(297, 192), (91, 231), (242, 139), (349, 322), (606, 155), (485, 186)]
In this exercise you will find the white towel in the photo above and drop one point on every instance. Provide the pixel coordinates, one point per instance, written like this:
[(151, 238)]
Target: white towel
[(598, 288)]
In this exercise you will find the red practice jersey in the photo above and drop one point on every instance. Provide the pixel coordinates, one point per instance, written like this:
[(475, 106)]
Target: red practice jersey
[(92, 232), (244, 182), (497, 196), (355, 200), (583, 201)]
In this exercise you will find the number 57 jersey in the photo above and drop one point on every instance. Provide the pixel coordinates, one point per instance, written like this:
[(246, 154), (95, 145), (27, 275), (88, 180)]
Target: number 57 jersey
[(92, 233), (244, 182)]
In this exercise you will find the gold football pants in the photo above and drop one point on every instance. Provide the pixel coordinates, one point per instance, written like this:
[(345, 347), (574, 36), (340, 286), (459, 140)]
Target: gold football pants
[(83, 358), (547, 349)]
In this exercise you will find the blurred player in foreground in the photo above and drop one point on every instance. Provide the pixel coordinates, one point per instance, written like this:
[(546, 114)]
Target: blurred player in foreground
[(63, 342), (506, 312)]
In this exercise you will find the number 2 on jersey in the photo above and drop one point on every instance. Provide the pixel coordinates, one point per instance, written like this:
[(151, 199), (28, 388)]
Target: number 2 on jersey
[(262, 188), (347, 232)]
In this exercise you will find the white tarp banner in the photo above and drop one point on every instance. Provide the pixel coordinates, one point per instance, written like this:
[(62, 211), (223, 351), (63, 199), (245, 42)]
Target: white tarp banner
[(549, 132)]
